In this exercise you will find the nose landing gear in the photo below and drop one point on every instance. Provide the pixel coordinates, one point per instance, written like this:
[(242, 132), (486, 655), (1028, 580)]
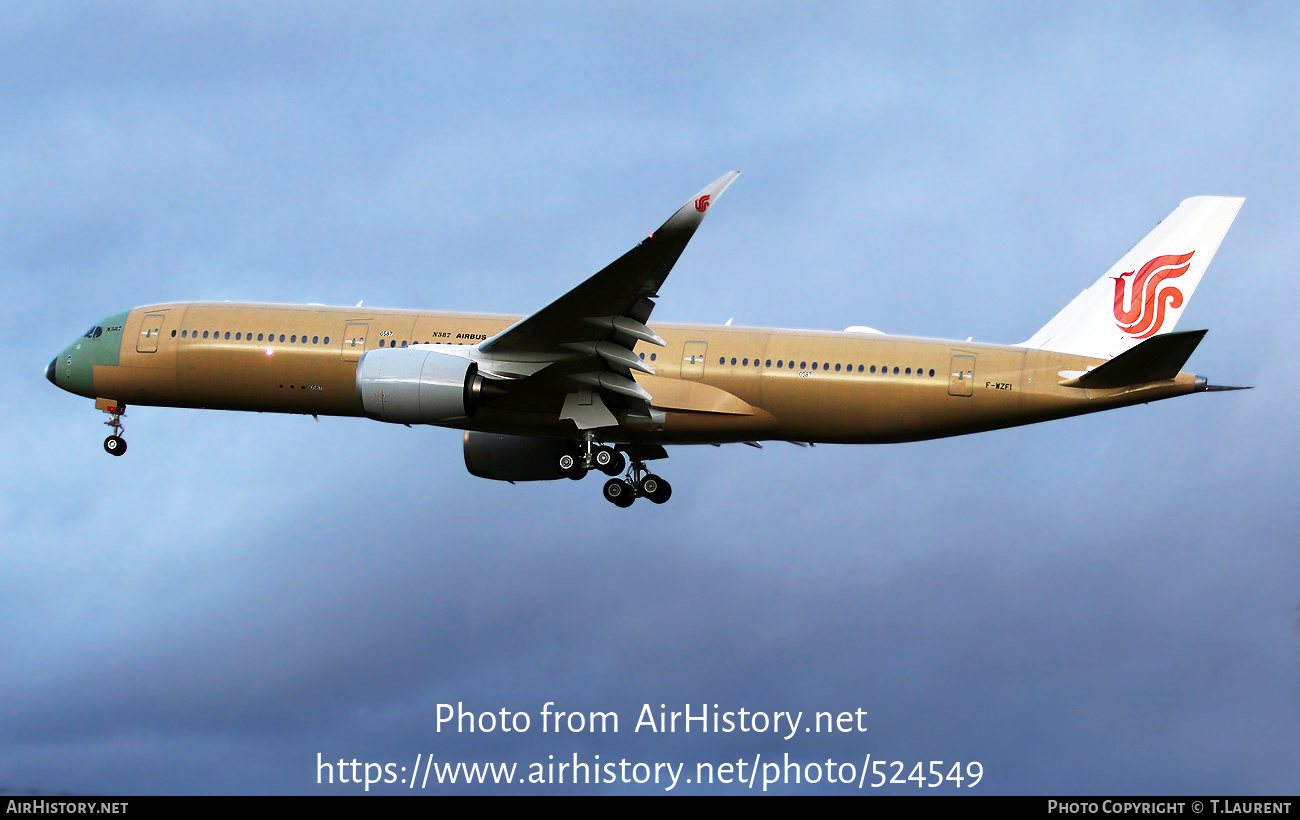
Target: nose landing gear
[(114, 445)]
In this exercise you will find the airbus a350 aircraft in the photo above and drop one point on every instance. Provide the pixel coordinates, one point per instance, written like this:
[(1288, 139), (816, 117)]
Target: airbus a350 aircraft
[(586, 383)]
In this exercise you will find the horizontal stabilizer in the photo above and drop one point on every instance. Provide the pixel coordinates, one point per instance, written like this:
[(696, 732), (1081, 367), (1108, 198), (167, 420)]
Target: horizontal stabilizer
[(1157, 359)]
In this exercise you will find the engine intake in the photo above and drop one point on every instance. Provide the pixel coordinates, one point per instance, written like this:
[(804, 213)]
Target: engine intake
[(411, 385)]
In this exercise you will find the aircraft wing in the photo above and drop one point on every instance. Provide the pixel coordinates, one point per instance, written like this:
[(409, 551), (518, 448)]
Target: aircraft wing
[(622, 288), (585, 337)]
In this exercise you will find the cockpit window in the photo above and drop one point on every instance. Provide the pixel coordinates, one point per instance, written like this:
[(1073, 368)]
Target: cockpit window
[(94, 332)]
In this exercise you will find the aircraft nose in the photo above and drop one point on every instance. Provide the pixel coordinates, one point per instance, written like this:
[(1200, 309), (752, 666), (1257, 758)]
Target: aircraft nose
[(49, 370)]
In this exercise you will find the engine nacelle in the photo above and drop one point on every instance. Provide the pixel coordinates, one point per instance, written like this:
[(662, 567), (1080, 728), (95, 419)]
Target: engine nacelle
[(514, 458), (414, 385)]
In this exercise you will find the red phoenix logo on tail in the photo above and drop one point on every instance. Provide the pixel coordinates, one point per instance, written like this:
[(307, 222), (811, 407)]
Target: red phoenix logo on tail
[(702, 204), (1149, 295)]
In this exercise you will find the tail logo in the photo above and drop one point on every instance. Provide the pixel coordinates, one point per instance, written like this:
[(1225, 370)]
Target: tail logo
[(1149, 294), (702, 204)]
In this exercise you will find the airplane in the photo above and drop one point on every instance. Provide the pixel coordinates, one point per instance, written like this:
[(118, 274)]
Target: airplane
[(586, 383)]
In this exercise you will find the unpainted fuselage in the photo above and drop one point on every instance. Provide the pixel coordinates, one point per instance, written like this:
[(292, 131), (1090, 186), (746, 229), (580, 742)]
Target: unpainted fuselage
[(714, 384)]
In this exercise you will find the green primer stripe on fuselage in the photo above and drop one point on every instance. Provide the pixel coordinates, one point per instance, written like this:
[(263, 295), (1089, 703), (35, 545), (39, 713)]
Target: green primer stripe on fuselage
[(75, 367)]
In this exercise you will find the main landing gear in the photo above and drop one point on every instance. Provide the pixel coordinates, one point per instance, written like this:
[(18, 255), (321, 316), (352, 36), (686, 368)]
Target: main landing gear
[(639, 483), (115, 445), (588, 456), (621, 492)]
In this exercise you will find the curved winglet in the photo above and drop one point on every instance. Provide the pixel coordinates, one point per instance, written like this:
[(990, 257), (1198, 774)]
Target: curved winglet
[(690, 215)]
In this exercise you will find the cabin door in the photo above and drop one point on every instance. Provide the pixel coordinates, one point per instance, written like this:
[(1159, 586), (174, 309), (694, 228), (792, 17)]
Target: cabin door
[(693, 360), (150, 330), (961, 376), (354, 341)]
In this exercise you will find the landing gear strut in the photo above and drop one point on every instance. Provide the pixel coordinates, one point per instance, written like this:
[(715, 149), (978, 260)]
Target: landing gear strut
[(115, 445)]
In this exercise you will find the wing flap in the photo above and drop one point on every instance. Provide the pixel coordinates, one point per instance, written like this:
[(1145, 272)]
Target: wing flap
[(696, 397)]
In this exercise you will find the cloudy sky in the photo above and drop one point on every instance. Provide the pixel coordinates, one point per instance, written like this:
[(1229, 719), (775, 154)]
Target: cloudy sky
[(1098, 605)]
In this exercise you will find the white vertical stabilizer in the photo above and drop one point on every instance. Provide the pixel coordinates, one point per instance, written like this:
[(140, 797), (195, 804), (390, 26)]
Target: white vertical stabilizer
[(1146, 291)]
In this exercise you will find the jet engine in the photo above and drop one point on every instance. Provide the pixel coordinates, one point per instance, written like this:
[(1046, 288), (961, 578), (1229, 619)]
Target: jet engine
[(514, 458), (414, 385)]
